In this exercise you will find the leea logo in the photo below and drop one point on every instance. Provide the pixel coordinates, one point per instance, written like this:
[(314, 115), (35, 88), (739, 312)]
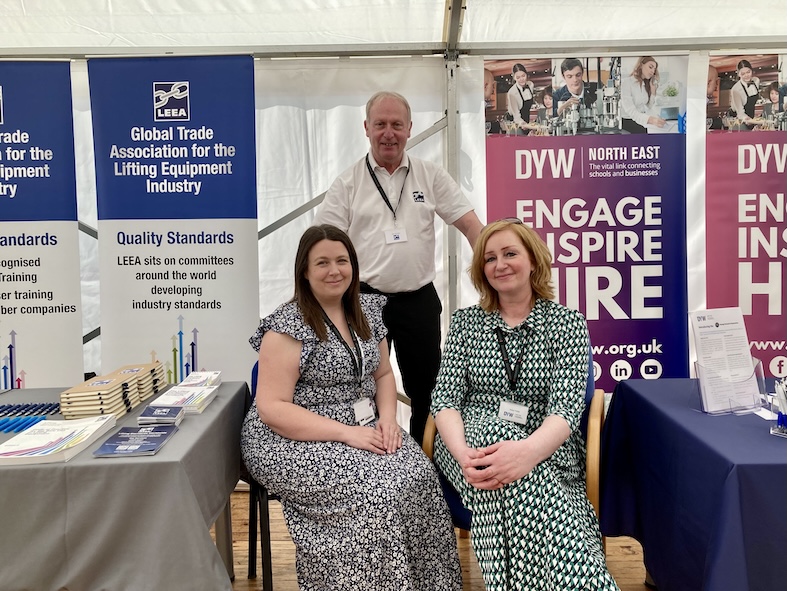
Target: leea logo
[(171, 101), (1, 105)]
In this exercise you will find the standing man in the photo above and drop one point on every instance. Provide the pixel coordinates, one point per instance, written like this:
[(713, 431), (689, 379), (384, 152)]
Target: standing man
[(575, 92), (386, 202)]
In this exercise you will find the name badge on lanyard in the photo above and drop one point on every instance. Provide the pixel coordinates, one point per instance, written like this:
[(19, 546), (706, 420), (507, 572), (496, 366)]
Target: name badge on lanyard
[(510, 410), (396, 235), (363, 407), (364, 411)]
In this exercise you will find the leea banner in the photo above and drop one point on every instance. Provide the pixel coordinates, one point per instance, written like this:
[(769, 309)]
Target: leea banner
[(40, 301), (177, 209)]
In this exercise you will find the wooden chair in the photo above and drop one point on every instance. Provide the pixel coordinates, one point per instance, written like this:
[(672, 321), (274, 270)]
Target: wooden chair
[(591, 425)]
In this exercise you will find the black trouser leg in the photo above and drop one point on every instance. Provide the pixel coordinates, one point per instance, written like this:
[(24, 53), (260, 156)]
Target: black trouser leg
[(413, 322)]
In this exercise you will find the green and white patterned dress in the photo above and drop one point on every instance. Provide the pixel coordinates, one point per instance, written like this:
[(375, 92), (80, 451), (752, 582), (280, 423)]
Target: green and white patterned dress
[(540, 532)]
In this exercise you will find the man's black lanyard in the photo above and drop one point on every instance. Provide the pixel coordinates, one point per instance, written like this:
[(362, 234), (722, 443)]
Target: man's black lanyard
[(382, 191), (513, 374), (356, 357)]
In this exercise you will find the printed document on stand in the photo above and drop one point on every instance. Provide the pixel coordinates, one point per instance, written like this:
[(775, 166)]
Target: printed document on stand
[(724, 363)]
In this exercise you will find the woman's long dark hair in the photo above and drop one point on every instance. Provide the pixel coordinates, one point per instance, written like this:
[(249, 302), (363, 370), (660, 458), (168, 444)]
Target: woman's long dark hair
[(518, 68), (304, 297)]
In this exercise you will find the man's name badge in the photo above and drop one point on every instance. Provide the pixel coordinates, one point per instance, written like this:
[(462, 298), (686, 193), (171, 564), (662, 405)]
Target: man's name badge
[(364, 411), (511, 411), (394, 236)]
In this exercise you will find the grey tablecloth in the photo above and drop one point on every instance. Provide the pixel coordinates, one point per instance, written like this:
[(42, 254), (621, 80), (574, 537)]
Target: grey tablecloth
[(138, 523)]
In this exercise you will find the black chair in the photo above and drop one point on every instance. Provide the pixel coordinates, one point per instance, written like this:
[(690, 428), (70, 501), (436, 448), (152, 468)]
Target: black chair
[(258, 505), (590, 426)]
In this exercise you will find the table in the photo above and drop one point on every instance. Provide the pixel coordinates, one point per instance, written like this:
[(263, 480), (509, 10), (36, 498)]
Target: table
[(126, 523), (706, 496)]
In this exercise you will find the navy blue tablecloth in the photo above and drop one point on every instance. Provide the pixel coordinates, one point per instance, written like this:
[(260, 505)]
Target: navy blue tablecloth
[(706, 496)]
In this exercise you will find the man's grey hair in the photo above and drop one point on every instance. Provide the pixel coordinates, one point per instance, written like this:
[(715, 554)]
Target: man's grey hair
[(383, 94)]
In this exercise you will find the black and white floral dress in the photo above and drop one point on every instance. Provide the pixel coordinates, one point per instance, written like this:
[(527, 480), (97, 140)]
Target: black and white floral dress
[(539, 532), (359, 520)]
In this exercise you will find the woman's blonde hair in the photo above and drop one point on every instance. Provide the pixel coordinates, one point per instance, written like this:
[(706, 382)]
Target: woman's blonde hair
[(540, 258)]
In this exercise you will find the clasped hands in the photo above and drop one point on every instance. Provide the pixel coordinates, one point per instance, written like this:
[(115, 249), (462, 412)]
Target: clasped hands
[(499, 464)]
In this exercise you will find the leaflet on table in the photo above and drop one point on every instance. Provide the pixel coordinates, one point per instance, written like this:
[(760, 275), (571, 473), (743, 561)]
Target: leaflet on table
[(201, 379), (54, 440), (136, 441), (724, 362), (194, 400)]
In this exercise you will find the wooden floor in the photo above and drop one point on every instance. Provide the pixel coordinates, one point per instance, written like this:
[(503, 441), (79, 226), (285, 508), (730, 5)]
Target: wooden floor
[(624, 555)]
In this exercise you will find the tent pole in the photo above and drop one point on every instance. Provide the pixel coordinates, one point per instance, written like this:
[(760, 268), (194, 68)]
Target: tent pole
[(452, 165)]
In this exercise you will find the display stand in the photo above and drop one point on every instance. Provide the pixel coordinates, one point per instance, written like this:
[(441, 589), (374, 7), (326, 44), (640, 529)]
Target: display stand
[(725, 393)]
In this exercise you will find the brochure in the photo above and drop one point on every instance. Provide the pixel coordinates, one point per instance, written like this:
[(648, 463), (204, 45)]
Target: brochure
[(194, 400), (136, 441), (724, 363), (54, 440)]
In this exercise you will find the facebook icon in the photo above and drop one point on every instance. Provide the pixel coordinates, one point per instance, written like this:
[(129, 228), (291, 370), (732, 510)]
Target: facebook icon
[(778, 366)]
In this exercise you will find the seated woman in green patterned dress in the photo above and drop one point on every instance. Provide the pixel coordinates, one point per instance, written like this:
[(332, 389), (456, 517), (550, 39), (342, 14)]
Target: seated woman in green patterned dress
[(507, 404)]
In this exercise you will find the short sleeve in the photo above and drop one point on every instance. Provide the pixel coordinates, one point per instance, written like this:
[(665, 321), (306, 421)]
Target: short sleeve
[(450, 202), (286, 319), (372, 305)]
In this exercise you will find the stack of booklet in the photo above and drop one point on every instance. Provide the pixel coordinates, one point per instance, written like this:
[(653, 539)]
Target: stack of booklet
[(150, 377), (194, 393), (201, 379), (53, 440), (161, 415), (102, 395), (193, 400)]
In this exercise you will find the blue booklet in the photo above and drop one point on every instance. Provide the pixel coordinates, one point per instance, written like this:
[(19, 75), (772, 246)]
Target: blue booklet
[(136, 441), (161, 415)]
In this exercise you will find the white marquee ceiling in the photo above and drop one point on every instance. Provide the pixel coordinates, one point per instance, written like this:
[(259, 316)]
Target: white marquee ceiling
[(335, 27)]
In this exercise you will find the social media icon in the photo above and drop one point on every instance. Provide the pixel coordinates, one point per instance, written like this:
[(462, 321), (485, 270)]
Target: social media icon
[(778, 366), (596, 371), (620, 370), (651, 369)]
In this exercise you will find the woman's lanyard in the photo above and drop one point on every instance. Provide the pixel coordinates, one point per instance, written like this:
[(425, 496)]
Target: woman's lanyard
[(382, 191), (512, 373), (357, 357)]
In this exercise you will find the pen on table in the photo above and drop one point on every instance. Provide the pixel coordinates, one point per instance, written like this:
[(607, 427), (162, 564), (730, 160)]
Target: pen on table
[(29, 422), (9, 426), (23, 423), (33, 409), (10, 410)]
